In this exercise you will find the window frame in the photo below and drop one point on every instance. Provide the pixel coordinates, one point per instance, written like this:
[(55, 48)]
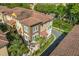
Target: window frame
[(26, 29), (35, 29)]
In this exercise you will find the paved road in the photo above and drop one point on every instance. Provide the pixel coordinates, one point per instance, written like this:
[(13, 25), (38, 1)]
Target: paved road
[(56, 33)]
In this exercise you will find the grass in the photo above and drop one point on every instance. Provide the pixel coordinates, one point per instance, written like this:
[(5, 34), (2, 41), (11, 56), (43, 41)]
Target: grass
[(44, 46), (63, 25)]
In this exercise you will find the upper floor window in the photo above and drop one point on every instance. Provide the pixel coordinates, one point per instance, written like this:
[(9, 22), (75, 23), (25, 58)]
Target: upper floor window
[(35, 29), (26, 29)]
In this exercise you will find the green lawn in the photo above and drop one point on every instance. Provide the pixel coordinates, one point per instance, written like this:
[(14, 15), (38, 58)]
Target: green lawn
[(63, 25), (44, 45)]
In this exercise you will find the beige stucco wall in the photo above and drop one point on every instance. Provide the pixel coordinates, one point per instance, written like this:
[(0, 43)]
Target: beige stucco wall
[(19, 26), (3, 51), (45, 26), (1, 18)]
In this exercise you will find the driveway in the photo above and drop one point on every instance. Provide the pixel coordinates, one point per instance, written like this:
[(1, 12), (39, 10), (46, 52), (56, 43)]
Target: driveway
[(56, 33)]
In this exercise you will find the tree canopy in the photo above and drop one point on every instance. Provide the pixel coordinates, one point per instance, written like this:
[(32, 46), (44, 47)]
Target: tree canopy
[(12, 5)]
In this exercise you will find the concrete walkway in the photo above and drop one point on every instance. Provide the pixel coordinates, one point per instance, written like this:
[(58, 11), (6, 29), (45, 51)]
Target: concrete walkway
[(56, 33)]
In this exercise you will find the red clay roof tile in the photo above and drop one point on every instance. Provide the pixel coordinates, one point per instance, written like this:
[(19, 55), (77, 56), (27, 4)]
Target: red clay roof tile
[(70, 44)]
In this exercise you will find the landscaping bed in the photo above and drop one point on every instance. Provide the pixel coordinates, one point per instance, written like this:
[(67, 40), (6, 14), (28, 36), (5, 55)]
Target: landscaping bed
[(44, 46), (16, 46)]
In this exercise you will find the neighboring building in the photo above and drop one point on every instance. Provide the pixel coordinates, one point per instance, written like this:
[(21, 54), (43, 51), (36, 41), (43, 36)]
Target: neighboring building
[(3, 45), (69, 46), (6, 16), (2, 8)]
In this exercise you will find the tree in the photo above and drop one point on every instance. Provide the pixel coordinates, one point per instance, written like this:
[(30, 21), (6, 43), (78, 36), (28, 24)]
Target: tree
[(45, 8), (12, 5), (72, 13), (60, 11), (16, 46)]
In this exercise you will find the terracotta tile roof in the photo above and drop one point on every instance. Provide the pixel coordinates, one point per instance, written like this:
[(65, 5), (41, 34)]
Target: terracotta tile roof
[(25, 14), (30, 21), (43, 34), (70, 44), (3, 8), (43, 17), (29, 17), (22, 12), (3, 40), (7, 12), (36, 18)]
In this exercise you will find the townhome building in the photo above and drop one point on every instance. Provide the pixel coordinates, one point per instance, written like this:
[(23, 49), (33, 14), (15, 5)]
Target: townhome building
[(29, 23), (37, 25)]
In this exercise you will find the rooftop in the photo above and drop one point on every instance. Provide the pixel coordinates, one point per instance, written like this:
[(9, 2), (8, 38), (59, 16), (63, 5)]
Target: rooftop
[(26, 16), (3, 8), (36, 18), (69, 46), (22, 12), (30, 21)]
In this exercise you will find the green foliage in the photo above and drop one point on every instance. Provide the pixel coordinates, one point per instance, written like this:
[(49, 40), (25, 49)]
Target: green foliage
[(74, 9), (16, 46), (12, 5), (72, 13), (60, 11), (44, 45), (3, 27), (45, 8)]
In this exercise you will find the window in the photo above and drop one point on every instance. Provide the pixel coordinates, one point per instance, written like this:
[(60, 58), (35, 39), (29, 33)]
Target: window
[(26, 37), (35, 36), (17, 25), (35, 29), (26, 29)]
